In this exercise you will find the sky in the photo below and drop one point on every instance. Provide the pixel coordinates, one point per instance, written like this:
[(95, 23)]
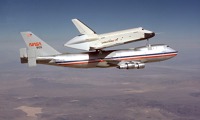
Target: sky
[(176, 23)]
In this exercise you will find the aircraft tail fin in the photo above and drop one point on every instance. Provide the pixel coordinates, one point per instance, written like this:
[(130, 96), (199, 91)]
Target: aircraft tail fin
[(83, 29), (34, 42), (36, 48)]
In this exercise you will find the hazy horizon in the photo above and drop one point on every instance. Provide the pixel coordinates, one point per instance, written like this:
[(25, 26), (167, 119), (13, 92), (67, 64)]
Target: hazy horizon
[(163, 90)]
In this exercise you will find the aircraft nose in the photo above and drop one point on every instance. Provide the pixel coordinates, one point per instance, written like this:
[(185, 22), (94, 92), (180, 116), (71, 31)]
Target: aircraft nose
[(149, 35)]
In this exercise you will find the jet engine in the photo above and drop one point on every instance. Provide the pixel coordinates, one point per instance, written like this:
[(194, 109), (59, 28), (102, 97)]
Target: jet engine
[(131, 66)]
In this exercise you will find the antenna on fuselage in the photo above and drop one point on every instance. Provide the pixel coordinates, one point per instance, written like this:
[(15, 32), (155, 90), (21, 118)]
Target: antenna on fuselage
[(100, 51), (148, 45)]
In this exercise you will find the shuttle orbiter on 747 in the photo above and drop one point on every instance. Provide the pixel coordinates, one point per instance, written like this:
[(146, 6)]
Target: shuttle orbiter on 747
[(89, 40), (39, 52)]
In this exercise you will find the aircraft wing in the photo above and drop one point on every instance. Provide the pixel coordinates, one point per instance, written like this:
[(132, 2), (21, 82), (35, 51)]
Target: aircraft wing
[(126, 64)]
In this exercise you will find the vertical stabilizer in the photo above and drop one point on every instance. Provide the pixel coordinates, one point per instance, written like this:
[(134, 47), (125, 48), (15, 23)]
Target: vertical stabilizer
[(83, 29), (36, 44), (36, 48)]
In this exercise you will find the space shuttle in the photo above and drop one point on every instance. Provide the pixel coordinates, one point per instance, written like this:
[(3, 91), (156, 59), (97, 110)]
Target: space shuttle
[(89, 40)]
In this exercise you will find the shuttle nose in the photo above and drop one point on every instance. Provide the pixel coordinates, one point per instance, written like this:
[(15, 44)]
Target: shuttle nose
[(153, 34), (149, 35)]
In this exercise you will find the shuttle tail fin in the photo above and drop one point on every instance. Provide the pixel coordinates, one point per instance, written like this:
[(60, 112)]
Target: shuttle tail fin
[(83, 29)]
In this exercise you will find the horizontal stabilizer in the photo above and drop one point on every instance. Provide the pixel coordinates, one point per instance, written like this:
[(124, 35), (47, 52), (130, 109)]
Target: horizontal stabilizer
[(31, 57), (23, 55), (28, 56), (32, 62), (83, 29)]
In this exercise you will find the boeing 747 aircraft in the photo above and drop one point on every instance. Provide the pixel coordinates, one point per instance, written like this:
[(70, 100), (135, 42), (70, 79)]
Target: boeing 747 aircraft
[(39, 52)]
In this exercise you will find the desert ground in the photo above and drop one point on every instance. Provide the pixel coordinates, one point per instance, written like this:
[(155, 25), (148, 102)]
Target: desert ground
[(51, 93)]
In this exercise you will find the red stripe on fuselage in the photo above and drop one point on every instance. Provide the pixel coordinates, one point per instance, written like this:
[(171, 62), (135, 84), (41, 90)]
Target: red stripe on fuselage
[(119, 59), (147, 56)]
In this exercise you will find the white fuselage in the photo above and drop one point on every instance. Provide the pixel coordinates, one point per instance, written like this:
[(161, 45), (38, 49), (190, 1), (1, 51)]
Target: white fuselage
[(112, 58), (100, 41)]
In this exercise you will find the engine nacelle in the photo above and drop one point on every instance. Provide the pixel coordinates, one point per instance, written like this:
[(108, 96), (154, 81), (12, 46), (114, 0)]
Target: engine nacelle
[(132, 66)]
